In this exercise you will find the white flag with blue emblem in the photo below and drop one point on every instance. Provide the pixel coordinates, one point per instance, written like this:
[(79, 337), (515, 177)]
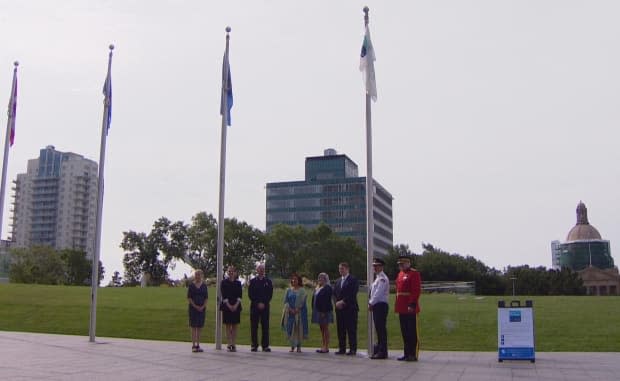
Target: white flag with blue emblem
[(367, 66)]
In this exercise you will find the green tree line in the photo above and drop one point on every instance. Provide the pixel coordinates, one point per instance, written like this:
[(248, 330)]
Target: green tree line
[(287, 249), (45, 265), (435, 264)]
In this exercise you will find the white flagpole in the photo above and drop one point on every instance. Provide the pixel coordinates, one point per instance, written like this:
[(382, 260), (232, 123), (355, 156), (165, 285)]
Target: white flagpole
[(7, 141), (100, 185), (370, 224), (220, 218)]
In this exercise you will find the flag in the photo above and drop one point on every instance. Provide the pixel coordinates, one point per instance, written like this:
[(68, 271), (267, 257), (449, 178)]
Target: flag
[(12, 111), (226, 89), (107, 93), (367, 66)]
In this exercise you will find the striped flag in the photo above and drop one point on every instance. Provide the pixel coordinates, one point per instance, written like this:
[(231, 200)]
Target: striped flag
[(226, 89), (107, 92), (12, 111), (367, 66)]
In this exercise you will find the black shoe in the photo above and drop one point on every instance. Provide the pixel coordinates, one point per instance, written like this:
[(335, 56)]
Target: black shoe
[(267, 349), (198, 349), (378, 356), (340, 352), (407, 358), (351, 353), (254, 349)]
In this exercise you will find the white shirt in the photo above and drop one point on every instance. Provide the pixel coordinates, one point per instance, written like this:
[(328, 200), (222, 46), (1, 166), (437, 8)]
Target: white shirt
[(379, 290)]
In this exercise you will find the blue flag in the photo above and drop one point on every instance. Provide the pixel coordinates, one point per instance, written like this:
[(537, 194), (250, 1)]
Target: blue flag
[(226, 90), (107, 92)]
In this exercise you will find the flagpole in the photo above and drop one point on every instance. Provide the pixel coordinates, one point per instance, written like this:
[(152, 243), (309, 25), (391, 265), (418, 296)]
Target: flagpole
[(220, 218), (7, 141), (100, 185), (369, 209)]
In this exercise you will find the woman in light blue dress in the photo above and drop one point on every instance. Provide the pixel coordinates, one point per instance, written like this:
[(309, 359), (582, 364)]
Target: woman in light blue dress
[(295, 314)]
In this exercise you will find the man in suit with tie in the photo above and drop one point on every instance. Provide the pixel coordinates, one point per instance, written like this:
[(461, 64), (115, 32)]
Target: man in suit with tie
[(345, 295)]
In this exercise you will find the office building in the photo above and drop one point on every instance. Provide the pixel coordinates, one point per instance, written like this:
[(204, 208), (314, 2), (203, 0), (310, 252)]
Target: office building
[(55, 202), (332, 193)]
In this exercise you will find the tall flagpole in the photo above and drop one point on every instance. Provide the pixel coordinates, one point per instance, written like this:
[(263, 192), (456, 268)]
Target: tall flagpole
[(105, 125), (10, 124), (370, 224), (220, 218)]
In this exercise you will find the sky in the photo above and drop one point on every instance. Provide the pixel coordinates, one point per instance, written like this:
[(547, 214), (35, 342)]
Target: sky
[(493, 119)]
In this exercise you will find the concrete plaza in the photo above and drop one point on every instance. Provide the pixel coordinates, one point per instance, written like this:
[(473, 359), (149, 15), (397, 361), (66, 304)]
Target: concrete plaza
[(32, 356)]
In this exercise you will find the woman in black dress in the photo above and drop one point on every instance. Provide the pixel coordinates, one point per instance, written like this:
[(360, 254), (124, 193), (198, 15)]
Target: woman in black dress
[(197, 297), (231, 306)]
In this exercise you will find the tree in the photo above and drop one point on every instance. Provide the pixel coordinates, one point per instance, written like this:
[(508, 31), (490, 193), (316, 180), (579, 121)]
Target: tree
[(295, 249), (243, 245), (438, 265), (282, 247), (38, 264), (78, 267), (540, 281), (325, 250), (202, 243), (150, 255), (116, 281)]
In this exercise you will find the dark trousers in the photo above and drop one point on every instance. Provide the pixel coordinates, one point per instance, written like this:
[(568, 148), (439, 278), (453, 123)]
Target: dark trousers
[(346, 325), (257, 315), (409, 330), (379, 316)]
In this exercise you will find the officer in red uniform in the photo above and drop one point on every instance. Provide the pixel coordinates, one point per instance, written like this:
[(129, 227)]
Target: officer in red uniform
[(408, 288)]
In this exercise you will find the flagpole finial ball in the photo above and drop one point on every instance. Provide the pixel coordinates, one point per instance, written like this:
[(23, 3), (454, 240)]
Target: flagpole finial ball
[(16, 63), (228, 29), (111, 46)]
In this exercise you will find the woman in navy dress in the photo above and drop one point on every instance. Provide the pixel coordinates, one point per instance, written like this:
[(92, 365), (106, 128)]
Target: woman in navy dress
[(197, 297), (231, 307), (322, 309)]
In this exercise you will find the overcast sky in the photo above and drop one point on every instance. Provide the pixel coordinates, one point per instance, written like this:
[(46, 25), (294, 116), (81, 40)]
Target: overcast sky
[(493, 119)]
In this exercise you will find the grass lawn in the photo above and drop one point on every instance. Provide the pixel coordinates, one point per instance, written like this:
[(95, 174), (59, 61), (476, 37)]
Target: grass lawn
[(447, 322)]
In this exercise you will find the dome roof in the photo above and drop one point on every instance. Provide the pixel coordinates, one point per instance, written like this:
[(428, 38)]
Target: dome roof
[(582, 230)]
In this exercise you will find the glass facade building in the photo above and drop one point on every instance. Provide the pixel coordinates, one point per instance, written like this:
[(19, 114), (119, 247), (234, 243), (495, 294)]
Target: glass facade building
[(332, 193), (577, 255)]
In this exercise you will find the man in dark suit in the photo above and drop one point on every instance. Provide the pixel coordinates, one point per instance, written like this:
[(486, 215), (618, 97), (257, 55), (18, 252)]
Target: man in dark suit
[(260, 292), (345, 295)]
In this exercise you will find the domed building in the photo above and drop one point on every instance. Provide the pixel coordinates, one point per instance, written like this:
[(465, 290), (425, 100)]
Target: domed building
[(586, 252)]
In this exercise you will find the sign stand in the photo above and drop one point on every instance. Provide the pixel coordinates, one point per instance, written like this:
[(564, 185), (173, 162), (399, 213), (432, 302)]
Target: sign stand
[(515, 331)]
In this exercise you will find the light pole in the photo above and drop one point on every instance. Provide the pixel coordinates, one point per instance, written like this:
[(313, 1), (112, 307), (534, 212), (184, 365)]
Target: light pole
[(513, 278)]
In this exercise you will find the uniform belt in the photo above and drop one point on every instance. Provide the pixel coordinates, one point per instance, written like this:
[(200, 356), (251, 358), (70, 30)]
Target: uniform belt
[(403, 293)]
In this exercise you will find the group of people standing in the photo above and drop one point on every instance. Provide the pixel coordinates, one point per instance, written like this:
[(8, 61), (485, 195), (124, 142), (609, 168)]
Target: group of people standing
[(294, 322)]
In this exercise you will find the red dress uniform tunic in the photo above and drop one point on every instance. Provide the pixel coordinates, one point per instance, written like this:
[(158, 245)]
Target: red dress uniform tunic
[(408, 288)]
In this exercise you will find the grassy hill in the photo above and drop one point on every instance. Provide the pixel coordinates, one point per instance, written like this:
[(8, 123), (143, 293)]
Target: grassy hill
[(447, 322)]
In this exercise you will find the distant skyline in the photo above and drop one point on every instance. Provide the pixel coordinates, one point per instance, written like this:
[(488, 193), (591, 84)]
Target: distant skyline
[(493, 118)]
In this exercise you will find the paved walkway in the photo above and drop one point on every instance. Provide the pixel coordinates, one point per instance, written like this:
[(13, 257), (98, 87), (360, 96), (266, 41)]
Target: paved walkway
[(31, 356)]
